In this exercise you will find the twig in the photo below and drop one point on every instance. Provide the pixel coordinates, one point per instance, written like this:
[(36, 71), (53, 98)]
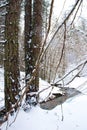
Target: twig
[(15, 117), (85, 62), (77, 73), (42, 54), (60, 14), (17, 104), (26, 89), (62, 51), (7, 114), (44, 89), (77, 11), (81, 64), (49, 25)]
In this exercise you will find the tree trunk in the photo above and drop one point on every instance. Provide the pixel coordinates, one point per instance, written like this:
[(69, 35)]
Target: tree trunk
[(11, 64), (33, 34)]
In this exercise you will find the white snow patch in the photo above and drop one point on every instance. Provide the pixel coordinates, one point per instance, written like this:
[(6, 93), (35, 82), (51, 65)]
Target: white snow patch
[(73, 112)]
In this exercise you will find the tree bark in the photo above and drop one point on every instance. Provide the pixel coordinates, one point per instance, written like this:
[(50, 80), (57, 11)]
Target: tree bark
[(11, 63), (33, 37)]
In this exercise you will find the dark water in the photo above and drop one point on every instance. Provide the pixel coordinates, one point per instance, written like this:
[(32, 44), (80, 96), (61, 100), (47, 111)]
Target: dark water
[(59, 99)]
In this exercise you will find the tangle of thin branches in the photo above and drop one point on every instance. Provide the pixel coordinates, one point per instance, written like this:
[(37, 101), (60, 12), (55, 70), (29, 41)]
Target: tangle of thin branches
[(60, 14), (77, 73), (18, 103), (77, 11), (62, 51), (64, 21), (84, 63)]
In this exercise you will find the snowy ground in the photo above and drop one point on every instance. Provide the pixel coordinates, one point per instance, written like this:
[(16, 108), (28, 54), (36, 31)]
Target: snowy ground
[(71, 115)]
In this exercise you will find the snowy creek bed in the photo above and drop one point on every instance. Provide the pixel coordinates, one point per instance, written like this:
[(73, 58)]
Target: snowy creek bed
[(59, 98)]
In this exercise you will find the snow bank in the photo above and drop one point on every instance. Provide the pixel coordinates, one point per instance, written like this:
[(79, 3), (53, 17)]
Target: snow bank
[(71, 115)]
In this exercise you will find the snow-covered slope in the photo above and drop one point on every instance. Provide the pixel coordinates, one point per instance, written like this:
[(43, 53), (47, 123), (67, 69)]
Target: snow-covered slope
[(71, 115)]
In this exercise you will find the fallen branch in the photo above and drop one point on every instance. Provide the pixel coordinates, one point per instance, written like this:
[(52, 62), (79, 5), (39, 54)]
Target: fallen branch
[(53, 84), (77, 73), (85, 62)]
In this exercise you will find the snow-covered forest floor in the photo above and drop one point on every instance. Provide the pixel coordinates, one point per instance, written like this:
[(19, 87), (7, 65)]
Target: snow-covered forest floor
[(71, 115)]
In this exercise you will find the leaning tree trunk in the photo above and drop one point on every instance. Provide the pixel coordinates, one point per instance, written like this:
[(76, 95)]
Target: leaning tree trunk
[(11, 64), (33, 34)]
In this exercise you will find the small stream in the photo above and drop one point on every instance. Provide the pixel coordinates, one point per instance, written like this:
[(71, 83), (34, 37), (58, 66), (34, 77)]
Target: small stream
[(59, 99)]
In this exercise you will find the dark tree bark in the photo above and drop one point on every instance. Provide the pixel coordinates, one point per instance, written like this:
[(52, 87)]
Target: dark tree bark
[(33, 35), (2, 27), (11, 64), (28, 37), (36, 37)]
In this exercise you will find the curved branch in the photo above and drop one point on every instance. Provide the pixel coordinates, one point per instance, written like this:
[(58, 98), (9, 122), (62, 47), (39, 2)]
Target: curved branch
[(61, 26)]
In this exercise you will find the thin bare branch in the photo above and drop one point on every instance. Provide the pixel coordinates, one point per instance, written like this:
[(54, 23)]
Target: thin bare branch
[(50, 17), (15, 117), (49, 25), (60, 14), (62, 51), (51, 86), (85, 62), (77, 73), (66, 19), (76, 11)]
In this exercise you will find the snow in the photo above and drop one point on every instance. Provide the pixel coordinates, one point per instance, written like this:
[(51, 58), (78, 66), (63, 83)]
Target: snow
[(3, 4), (71, 115), (3, 41), (1, 87), (75, 114)]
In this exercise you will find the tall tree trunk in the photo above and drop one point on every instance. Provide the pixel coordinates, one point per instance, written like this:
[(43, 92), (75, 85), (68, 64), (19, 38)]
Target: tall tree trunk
[(28, 38), (36, 37), (11, 64), (33, 34)]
